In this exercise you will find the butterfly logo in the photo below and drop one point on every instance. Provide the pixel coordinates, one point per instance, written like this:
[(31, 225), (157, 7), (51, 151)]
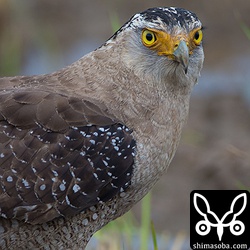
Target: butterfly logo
[(203, 227)]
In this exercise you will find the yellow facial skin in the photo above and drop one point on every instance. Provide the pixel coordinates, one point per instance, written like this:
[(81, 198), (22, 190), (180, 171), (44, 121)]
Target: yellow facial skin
[(165, 44)]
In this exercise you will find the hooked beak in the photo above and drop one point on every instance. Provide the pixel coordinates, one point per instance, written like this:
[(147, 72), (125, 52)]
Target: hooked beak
[(181, 54)]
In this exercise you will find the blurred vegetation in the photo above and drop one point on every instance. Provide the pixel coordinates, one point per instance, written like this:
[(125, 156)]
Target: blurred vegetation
[(246, 30), (10, 51), (19, 37)]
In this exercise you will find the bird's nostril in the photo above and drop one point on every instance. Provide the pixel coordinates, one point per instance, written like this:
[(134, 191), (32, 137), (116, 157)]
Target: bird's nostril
[(176, 46)]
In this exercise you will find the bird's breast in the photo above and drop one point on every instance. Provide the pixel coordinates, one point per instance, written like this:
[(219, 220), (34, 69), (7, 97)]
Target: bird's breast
[(156, 140)]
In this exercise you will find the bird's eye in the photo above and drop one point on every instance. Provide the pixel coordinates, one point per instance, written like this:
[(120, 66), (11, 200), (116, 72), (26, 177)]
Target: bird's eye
[(148, 37), (198, 37)]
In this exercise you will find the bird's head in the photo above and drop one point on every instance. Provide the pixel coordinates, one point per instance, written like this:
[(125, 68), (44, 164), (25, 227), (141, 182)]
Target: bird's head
[(161, 41)]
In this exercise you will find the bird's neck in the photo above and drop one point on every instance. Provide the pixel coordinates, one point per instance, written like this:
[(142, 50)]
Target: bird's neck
[(129, 97)]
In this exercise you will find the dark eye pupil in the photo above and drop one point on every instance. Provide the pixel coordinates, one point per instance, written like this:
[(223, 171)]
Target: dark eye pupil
[(149, 37), (197, 35)]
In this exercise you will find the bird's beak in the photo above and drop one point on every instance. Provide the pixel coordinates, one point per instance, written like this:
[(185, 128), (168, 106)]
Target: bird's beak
[(181, 54)]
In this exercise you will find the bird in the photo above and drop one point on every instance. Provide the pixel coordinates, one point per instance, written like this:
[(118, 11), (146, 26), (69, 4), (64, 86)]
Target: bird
[(80, 146)]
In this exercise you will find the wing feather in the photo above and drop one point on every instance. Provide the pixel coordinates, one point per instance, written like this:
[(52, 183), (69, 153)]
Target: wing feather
[(59, 155)]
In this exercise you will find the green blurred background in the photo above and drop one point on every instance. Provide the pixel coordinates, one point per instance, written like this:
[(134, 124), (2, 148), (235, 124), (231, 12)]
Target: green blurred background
[(41, 36)]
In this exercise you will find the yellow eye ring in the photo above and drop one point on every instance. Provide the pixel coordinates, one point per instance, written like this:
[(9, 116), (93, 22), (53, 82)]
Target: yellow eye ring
[(148, 37), (198, 37)]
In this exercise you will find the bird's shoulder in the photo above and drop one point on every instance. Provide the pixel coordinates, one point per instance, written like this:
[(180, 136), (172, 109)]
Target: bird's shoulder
[(28, 100)]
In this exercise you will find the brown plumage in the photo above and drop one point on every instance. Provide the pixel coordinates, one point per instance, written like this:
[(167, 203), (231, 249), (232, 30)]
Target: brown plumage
[(80, 146)]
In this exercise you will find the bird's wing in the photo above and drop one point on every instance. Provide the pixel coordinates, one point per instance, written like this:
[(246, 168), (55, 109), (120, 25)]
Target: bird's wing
[(58, 155)]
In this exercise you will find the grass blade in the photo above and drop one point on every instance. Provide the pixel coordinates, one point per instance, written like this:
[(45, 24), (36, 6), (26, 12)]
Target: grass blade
[(154, 235), (145, 221)]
